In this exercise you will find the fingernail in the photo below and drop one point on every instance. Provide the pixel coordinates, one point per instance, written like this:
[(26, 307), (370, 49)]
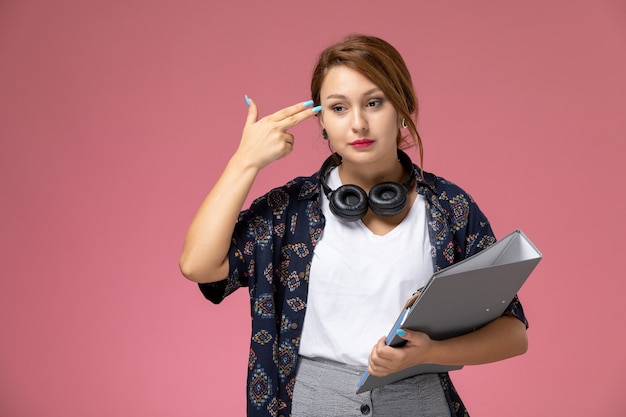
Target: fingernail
[(247, 99), (401, 332), (308, 103), (317, 109)]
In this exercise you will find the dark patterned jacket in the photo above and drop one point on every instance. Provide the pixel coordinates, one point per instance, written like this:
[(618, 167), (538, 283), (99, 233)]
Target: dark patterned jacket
[(271, 253)]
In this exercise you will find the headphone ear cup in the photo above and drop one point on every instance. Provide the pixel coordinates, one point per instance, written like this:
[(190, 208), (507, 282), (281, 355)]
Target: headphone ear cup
[(349, 202), (387, 198)]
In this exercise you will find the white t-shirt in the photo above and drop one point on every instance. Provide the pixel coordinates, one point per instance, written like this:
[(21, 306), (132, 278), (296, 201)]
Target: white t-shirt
[(360, 281)]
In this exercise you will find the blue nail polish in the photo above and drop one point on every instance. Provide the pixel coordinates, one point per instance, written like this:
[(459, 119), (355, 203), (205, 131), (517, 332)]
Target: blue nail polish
[(247, 99), (317, 109), (308, 103), (401, 332)]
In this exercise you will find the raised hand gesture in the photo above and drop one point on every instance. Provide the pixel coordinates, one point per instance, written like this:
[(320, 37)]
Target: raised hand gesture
[(268, 139)]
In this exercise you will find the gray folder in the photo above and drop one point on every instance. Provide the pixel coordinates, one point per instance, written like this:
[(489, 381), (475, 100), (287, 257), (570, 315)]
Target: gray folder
[(462, 298)]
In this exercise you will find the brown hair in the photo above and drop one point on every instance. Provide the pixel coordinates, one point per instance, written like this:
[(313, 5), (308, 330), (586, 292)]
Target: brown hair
[(380, 62)]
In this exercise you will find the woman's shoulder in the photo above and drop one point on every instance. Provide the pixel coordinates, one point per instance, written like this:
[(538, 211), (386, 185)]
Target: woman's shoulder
[(297, 189), (443, 187), (468, 224)]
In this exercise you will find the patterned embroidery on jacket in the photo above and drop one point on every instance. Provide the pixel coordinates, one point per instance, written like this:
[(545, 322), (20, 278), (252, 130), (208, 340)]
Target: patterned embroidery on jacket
[(260, 387), (286, 358), (262, 231), (278, 199), (264, 305)]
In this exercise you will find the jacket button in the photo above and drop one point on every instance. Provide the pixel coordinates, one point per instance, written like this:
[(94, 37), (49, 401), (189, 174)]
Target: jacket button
[(365, 409), (294, 326)]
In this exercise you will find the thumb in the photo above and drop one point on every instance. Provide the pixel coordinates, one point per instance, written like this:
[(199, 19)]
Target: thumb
[(253, 112), (413, 337), (403, 334)]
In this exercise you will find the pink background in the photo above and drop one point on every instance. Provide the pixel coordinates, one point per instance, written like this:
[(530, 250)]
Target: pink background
[(116, 117)]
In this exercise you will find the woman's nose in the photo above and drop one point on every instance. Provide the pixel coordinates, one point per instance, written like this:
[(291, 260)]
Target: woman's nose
[(359, 121)]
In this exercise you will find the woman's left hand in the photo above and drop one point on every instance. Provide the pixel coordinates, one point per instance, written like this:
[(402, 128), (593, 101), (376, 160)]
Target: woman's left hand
[(385, 360), (503, 338)]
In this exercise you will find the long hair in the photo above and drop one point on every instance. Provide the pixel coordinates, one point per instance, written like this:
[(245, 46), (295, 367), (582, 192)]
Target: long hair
[(381, 63)]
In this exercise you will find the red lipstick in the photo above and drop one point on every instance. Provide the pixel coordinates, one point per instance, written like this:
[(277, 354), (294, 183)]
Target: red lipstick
[(362, 143)]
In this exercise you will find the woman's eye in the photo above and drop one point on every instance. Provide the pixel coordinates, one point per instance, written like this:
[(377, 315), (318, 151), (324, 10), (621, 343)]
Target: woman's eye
[(338, 108), (374, 103)]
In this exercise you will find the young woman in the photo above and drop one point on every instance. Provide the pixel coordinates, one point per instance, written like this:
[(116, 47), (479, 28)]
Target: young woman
[(330, 259)]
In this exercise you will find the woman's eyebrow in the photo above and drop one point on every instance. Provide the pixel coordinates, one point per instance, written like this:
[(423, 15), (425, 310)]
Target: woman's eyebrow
[(367, 93)]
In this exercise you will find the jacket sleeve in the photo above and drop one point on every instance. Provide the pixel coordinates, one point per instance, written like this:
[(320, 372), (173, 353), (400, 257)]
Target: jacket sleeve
[(252, 233)]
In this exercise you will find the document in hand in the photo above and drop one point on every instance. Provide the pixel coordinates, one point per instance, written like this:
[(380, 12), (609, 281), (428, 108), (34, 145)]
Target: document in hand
[(462, 298)]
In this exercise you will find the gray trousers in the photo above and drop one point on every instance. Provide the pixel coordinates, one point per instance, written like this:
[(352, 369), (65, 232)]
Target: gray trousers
[(327, 389)]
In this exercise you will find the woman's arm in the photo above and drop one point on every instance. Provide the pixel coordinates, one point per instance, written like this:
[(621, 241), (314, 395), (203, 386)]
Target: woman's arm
[(503, 338), (205, 251)]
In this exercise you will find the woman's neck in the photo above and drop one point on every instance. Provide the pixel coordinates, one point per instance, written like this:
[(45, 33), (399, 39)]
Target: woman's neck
[(368, 175)]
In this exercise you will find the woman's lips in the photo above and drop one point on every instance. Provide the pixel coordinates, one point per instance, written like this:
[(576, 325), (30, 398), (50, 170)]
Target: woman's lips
[(362, 143)]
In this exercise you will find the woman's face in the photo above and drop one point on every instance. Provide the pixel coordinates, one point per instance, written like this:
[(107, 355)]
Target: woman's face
[(362, 125)]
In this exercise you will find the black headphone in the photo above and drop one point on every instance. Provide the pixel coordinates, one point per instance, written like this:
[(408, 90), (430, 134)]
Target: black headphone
[(350, 202)]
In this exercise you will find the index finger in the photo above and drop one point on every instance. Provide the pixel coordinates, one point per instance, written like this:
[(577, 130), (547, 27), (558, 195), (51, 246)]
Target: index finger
[(292, 115)]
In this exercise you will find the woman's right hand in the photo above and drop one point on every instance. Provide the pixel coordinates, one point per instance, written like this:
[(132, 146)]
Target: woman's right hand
[(205, 252), (268, 139)]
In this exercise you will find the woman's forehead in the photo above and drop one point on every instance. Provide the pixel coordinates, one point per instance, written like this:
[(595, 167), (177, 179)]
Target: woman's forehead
[(344, 82)]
